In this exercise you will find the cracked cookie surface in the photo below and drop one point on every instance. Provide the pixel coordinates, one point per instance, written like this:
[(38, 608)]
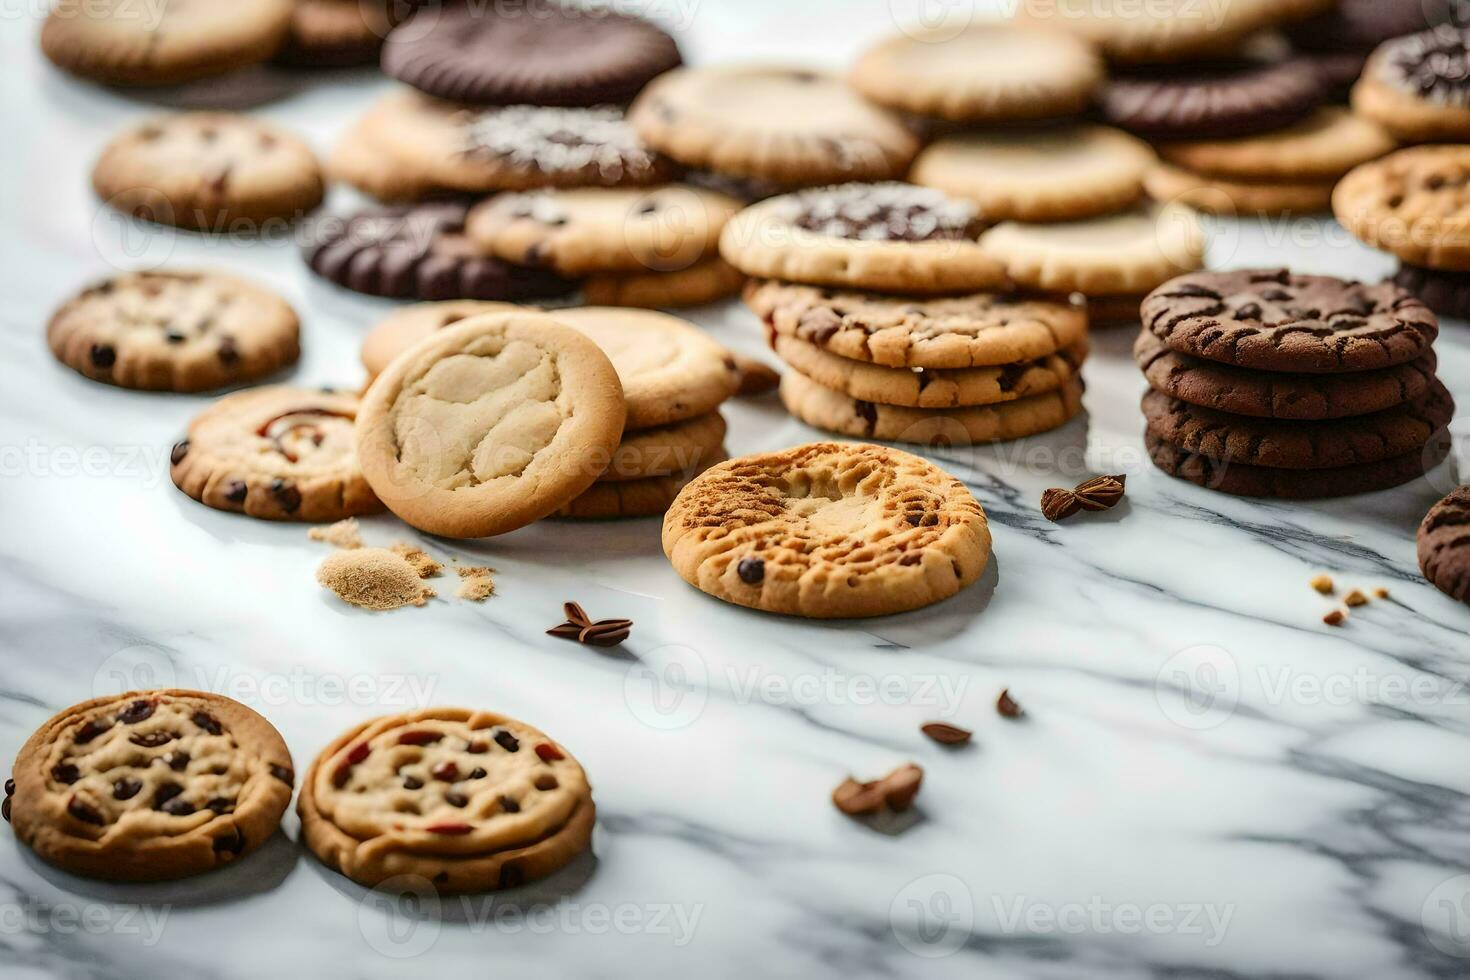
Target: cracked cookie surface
[(1444, 545)]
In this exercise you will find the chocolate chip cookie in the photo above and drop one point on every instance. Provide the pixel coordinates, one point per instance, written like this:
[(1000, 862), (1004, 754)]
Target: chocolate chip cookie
[(467, 801), (1444, 545), (150, 785), (1414, 203), (1418, 87)]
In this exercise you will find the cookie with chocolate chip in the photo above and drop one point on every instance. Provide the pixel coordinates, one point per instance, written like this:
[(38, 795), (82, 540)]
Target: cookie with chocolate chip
[(1414, 203), (1274, 320), (174, 331), (277, 453), (464, 800), (1418, 87), (150, 785), (1444, 545)]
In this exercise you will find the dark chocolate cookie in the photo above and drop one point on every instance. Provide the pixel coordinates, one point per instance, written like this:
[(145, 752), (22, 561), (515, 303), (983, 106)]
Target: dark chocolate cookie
[(1299, 445), (1271, 320), (1446, 293), (1263, 481), (1214, 101), (1444, 545), (1274, 395), (1362, 25), (420, 252), (536, 53)]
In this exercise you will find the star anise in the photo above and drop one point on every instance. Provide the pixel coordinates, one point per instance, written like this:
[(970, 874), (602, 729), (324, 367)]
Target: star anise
[(580, 627), (1099, 493)]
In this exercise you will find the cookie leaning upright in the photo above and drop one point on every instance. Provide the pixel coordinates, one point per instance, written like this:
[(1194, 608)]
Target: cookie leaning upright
[(490, 424), (150, 785)]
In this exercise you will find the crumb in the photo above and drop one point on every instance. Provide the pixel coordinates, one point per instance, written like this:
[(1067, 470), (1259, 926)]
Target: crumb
[(1334, 618), (343, 534), (419, 559), (1355, 598), (478, 584), (1323, 584), (373, 578), (1381, 592)]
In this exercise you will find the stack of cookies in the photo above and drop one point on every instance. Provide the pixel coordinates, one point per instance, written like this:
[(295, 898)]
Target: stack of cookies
[(1269, 384)]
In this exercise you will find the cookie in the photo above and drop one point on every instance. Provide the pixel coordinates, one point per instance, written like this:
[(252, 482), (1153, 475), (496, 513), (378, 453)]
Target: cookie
[(359, 162), (150, 785), (1263, 481), (405, 327), (1054, 174), (787, 125), (1414, 203), (1444, 545), (603, 229), (670, 370), (278, 453), (1340, 70), (828, 530), (1322, 147), (1214, 101), (209, 171), (890, 237), (1292, 445), (465, 801), (1220, 196), (647, 497), (706, 281), (1273, 320), (1418, 87), (174, 331), (977, 330), (1360, 25), (936, 388), (756, 377), (519, 147), (1446, 293), (490, 424), (676, 448), (116, 42), (1275, 395), (1131, 252), (989, 72), (336, 33), (1112, 311), (419, 252)]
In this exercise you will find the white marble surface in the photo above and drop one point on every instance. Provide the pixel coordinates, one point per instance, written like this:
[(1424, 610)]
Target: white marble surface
[(1209, 782)]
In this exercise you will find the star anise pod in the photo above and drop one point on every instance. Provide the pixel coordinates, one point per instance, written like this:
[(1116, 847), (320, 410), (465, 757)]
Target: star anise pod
[(581, 627), (1099, 493)]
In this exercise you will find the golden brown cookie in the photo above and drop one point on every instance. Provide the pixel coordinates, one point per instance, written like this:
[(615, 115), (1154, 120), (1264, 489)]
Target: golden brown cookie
[(336, 33), (679, 447), (646, 497), (1216, 195), (1414, 203), (707, 281), (358, 161), (1417, 86), (407, 325), (1323, 147)]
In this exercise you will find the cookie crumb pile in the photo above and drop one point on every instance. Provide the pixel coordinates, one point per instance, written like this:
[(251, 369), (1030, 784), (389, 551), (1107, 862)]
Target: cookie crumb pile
[(374, 578)]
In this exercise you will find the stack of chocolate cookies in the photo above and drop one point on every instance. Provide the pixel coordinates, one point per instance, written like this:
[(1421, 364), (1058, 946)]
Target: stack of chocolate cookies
[(1269, 384)]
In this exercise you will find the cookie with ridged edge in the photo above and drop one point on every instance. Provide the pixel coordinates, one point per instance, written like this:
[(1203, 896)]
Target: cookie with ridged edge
[(990, 72), (1222, 196), (490, 424), (1446, 293), (1243, 480), (1268, 394), (1274, 320), (406, 326), (707, 281), (278, 453), (828, 530), (460, 800), (1444, 545), (118, 42), (834, 411), (782, 124), (1417, 88), (150, 785), (1414, 203), (975, 330), (1322, 147), (645, 497), (174, 330), (664, 450), (1294, 445), (536, 53), (1214, 100)]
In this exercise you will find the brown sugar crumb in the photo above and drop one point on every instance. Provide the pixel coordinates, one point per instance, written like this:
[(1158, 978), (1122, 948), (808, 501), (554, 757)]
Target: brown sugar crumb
[(1380, 592), (343, 534), (1323, 584), (425, 566), (1355, 598), (478, 584), (1334, 618), (373, 578)]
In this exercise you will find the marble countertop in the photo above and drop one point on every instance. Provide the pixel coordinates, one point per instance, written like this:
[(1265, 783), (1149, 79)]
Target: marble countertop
[(1208, 782)]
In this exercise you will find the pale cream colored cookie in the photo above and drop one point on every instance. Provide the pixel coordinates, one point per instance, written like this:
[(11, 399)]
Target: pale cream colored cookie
[(359, 162), (1414, 203), (1322, 147)]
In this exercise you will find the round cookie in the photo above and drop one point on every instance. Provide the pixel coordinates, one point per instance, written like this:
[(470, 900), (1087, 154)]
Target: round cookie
[(676, 448), (1265, 394), (1220, 196), (360, 162), (1360, 25), (336, 33), (937, 388), (1444, 545), (828, 530), (174, 331), (990, 72), (834, 411), (278, 453), (788, 125), (1418, 87), (490, 424), (647, 497), (1446, 293), (670, 370), (1272, 320), (405, 327), (889, 237), (706, 281), (603, 229), (1322, 147), (977, 330), (1112, 311), (1054, 174), (420, 252), (1214, 101), (1292, 445), (1130, 252), (209, 171), (150, 785), (528, 54), (1264, 481), (119, 42), (1414, 203), (465, 801)]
